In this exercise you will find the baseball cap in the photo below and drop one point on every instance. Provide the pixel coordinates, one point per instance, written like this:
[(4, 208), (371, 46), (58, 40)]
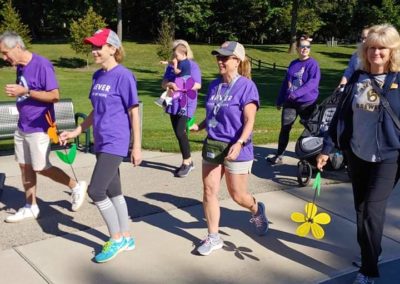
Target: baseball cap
[(103, 36), (229, 48)]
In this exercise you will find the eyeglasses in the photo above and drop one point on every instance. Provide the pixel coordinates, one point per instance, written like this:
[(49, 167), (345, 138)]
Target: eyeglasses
[(224, 58), (305, 46)]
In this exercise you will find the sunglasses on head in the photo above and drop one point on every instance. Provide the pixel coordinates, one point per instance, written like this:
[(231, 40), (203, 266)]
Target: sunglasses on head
[(305, 46)]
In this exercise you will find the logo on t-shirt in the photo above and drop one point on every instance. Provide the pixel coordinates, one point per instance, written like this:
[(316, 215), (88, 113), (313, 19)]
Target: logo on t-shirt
[(22, 81), (101, 90), (367, 99)]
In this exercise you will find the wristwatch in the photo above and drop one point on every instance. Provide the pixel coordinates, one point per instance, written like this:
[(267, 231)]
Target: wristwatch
[(241, 142)]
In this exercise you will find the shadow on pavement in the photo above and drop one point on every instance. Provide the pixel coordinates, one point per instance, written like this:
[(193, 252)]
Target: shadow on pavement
[(388, 271), (166, 221), (274, 240), (50, 219), (159, 166)]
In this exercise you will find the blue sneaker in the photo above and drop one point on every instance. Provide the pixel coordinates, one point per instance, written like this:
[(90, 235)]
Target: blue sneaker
[(110, 250), (130, 243), (260, 220)]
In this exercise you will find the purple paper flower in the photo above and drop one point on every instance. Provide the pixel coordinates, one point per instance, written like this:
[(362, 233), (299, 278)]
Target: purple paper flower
[(185, 91)]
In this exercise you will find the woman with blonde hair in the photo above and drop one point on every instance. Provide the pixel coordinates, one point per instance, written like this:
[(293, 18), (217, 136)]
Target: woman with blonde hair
[(231, 105), (178, 113), (366, 126)]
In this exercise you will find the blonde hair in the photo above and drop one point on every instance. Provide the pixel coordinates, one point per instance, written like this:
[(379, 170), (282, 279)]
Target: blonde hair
[(381, 35), (119, 54), (244, 68), (189, 52)]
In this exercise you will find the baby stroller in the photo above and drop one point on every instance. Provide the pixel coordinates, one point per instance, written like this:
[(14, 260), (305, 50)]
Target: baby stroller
[(309, 144)]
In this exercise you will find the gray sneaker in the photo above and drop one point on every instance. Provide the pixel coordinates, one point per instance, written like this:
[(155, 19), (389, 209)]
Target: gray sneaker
[(260, 220), (362, 279), (209, 244), (275, 160), (185, 170)]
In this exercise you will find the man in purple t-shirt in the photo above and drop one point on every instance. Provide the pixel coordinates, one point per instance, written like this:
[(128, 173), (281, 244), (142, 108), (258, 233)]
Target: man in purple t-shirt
[(35, 91)]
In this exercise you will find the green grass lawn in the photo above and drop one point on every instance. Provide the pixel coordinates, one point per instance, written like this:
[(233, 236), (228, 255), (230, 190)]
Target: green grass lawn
[(75, 81)]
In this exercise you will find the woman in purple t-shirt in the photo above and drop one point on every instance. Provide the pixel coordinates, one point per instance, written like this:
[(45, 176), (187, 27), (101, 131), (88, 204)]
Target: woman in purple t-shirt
[(231, 105), (298, 94), (115, 112), (179, 116)]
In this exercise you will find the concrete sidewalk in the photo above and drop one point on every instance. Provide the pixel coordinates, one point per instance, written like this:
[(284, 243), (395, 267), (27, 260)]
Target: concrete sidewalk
[(168, 222)]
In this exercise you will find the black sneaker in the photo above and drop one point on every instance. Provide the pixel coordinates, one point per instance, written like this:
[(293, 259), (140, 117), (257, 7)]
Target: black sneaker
[(275, 160), (185, 170)]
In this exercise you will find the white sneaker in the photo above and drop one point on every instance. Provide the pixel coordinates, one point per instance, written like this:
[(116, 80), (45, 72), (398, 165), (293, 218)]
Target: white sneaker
[(78, 196), (22, 214)]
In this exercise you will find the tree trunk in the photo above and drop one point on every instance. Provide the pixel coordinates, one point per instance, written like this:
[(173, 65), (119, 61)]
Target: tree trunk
[(293, 26), (119, 19)]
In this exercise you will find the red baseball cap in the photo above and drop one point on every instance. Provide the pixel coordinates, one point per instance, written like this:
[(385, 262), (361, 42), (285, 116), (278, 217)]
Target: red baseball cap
[(102, 37)]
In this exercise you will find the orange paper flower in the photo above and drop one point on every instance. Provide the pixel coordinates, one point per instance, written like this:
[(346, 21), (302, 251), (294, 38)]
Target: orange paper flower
[(52, 130)]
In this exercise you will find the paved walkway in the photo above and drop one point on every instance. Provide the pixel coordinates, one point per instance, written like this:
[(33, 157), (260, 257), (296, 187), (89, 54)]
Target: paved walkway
[(168, 222)]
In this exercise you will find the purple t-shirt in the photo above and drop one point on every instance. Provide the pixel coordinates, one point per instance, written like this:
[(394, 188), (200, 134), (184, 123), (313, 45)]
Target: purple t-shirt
[(112, 94), (37, 75), (170, 76), (227, 125)]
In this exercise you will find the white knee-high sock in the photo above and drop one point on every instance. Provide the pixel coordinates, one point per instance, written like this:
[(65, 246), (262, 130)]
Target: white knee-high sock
[(122, 211), (110, 215)]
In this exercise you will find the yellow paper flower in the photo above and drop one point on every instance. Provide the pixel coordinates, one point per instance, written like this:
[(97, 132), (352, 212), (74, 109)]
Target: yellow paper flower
[(311, 220)]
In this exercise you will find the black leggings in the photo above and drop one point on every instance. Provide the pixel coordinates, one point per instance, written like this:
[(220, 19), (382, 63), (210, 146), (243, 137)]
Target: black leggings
[(105, 178), (372, 185), (179, 126), (290, 112)]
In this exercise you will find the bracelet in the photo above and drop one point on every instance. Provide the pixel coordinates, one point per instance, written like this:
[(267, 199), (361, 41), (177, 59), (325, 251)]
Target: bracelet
[(241, 142)]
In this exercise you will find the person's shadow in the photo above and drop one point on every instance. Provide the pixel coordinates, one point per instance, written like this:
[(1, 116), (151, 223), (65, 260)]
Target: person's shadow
[(274, 241), (282, 174), (50, 219), (159, 166), (167, 222)]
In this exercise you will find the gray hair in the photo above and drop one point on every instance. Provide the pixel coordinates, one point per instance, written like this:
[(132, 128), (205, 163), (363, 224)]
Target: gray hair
[(12, 39)]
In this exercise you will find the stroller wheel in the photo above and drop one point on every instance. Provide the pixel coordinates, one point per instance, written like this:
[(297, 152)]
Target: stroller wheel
[(304, 172)]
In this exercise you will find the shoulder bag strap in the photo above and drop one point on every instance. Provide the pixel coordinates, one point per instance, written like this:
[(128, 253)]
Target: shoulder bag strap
[(391, 77)]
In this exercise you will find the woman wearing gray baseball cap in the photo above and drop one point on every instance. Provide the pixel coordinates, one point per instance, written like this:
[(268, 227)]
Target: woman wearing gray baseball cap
[(231, 105)]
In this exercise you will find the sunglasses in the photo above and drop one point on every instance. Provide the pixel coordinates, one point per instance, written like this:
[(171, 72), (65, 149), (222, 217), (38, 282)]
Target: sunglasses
[(224, 58), (305, 46)]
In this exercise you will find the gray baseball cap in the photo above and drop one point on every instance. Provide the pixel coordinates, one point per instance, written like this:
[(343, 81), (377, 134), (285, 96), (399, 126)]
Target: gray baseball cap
[(229, 48)]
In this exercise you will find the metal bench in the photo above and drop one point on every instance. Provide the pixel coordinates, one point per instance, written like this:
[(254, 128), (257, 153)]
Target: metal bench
[(66, 119)]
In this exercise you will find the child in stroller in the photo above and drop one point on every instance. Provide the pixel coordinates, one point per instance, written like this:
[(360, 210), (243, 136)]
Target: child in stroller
[(309, 144)]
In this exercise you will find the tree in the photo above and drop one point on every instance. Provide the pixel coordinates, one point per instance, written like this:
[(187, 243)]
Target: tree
[(119, 19), (293, 25), (191, 18), (11, 21), (164, 41), (82, 28), (389, 13)]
